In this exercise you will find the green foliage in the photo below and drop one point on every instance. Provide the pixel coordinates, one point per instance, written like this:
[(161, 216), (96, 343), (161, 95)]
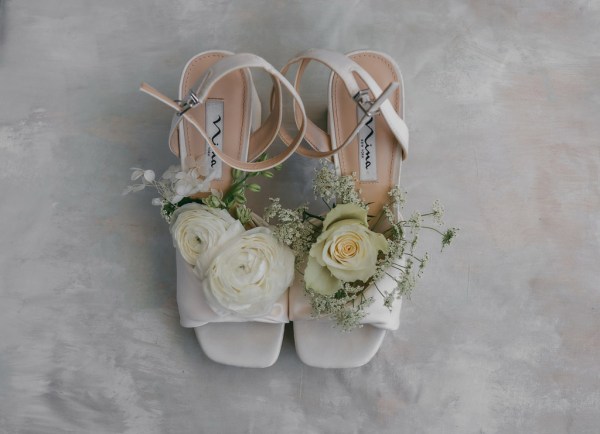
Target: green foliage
[(234, 200)]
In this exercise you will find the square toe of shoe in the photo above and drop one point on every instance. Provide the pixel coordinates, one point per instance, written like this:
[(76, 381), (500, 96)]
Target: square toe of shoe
[(248, 344), (320, 345)]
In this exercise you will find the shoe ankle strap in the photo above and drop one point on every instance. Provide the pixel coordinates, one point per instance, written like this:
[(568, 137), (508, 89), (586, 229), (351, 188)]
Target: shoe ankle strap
[(345, 68), (261, 139)]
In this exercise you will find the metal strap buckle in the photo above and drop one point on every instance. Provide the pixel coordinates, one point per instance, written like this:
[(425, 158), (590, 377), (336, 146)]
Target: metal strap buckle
[(363, 100), (371, 108), (191, 102)]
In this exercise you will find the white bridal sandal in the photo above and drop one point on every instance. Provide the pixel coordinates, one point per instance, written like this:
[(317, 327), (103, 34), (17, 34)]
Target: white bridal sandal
[(217, 122), (367, 137)]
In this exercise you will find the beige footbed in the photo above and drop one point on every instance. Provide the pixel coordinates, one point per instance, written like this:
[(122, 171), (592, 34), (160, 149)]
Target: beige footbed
[(345, 119), (233, 89)]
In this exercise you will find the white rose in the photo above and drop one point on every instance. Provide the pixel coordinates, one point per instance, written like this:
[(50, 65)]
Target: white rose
[(346, 250), (198, 229), (249, 274)]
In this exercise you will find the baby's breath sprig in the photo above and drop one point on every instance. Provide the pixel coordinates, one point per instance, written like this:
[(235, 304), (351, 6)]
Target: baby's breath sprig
[(448, 236), (299, 229), (292, 228), (336, 189), (437, 211), (345, 308), (397, 196)]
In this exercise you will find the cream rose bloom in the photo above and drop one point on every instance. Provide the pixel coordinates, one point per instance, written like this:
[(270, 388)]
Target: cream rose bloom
[(346, 250), (249, 274), (198, 229)]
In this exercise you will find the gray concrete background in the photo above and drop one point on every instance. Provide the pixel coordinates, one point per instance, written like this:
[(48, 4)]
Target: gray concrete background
[(502, 336)]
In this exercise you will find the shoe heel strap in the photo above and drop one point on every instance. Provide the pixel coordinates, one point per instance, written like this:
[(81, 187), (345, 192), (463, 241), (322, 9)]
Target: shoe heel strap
[(345, 68), (262, 138)]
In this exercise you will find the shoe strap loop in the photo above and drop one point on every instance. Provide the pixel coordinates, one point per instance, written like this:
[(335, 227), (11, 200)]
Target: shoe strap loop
[(191, 102)]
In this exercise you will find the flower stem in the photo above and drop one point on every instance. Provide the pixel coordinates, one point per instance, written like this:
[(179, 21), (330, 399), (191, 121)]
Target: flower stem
[(306, 213), (433, 229), (390, 275), (233, 187), (399, 267), (418, 259), (374, 225)]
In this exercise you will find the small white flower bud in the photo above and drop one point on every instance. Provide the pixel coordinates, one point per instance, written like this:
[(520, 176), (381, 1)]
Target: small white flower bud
[(149, 175)]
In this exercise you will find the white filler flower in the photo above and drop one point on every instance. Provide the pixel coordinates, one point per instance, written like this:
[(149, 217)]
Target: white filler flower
[(249, 274)]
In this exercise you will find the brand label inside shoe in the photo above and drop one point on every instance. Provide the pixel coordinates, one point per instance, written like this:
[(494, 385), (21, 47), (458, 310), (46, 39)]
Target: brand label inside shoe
[(367, 156), (214, 130)]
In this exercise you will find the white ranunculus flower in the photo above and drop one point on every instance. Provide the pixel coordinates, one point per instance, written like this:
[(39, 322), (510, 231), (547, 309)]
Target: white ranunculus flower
[(198, 229), (249, 274)]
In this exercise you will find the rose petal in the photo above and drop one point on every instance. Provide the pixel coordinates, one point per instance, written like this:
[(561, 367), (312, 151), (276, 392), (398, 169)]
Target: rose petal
[(319, 279), (204, 259), (316, 251), (379, 242), (346, 211)]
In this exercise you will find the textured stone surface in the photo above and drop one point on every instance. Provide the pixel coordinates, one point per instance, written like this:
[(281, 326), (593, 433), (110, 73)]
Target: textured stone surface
[(502, 335)]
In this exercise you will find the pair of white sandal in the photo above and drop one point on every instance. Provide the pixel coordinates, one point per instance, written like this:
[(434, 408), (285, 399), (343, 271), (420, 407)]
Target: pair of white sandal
[(218, 116)]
